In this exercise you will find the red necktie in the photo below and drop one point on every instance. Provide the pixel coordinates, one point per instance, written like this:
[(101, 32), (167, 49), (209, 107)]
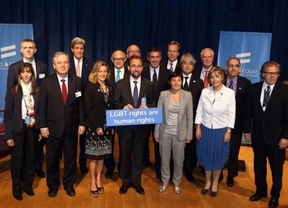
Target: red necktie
[(206, 81), (64, 90)]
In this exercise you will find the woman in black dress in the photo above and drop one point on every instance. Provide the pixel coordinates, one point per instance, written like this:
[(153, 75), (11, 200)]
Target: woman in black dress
[(98, 99)]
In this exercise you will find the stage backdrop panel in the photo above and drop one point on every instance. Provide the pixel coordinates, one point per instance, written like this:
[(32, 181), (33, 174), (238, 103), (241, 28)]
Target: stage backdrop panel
[(252, 48)]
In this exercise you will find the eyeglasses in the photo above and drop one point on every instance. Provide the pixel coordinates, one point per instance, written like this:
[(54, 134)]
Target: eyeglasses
[(271, 73), (233, 65), (133, 52), (118, 59)]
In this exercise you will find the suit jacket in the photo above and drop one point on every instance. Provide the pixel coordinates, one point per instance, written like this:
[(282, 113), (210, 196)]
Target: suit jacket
[(185, 115), (87, 66), (13, 112), (112, 75), (95, 106), (195, 87), (41, 70), (242, 90), (177, 69), (59, 117), (272, 124), (162, 82), (123, 96)]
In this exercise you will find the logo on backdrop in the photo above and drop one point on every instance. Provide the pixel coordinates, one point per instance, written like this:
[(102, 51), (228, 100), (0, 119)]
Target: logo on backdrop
[(253, 49)]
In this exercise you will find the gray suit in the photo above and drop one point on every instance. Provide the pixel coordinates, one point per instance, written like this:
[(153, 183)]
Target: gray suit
[(175, 142)]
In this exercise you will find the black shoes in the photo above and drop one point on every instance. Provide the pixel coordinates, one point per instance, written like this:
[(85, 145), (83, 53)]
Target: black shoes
[(17, 195), (52, 192), (190, 178), (123, 189), (230, 181), (29, 191), (204, 191), (84, 170), (148, 164), (257, 196), (40, 173), (273, 202), (70, 191), (139, 189), (109, 174)]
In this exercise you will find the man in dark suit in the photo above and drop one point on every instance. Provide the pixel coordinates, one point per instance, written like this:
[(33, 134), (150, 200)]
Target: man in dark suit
[(81, 66), (194, 85), (28, 50), (207, 58), (61, 120), (267, 116), (241, 87), (117, 72), (173, 51), (132, 138), (160, 83)]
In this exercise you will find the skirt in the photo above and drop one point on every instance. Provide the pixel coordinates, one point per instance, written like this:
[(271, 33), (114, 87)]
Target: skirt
[(98, 147), (212, 151)]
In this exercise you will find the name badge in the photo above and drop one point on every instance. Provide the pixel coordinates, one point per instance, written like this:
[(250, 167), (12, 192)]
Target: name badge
[(41, 76), (78, 94)]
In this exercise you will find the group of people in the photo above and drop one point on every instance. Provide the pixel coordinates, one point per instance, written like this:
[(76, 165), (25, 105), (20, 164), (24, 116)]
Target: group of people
[(205, 113)]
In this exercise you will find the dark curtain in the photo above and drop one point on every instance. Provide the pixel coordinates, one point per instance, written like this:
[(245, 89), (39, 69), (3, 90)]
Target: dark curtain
[(108, 25)]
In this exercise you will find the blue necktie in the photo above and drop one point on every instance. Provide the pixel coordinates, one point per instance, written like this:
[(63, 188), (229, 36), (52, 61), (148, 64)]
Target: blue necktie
[(135, 94), (118, 75)]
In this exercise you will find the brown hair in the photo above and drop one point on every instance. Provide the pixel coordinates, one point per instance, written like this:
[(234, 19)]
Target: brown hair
[(28, 68), (93, 74)]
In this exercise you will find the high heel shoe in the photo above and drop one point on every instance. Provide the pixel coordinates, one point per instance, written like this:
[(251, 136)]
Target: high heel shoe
[(100, 190), (213, 193), (94, 193), (204, 191)]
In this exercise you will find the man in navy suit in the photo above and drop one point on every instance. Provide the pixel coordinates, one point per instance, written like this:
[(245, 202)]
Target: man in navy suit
[(132, 138), (241, 87), (28, 50), (61, 121), (81, 66), (154, 57), (267, 118), (195, 86)]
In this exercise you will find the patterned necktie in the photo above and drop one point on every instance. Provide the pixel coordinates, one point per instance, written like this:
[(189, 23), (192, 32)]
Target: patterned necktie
[(186, 83), (64, 90), (171, 67), (118, 75), (135, 94), (266, 96), (206, 81), (231, 85), (154, 80), (78, 69)]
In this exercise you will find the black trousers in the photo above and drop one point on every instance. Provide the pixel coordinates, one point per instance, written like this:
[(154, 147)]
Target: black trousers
[(22, 158), (235, 143), (276, 158), (54, 148)]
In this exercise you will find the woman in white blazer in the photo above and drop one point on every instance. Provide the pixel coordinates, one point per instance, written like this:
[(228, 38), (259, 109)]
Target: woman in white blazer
[(175, 131)]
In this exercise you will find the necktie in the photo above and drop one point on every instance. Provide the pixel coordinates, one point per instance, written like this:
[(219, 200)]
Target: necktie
[(135, 94), (231, 85), (154, 80), (266, 96), (186, 83), (171, 67), (78, 69), (64, 90), (206, 81), (118, 75)]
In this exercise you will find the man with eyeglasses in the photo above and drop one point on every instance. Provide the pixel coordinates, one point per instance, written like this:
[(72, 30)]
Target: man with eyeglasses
[(134, 50), (241, 87), (81, 66), (117, 72), (173, 51), (266, 124)]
